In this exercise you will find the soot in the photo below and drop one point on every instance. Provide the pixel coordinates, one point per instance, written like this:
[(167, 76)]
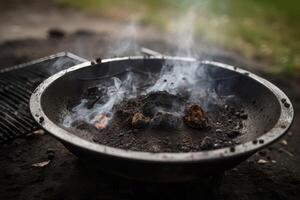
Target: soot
[(161, 110), (163, 122), (175, 110)]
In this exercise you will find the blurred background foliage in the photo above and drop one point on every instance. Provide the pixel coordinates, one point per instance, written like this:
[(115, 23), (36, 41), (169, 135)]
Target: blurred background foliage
[(264, 30)]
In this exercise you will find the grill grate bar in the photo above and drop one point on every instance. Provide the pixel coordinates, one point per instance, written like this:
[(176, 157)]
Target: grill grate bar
[(17, 90), (13, 81), (15, 95), (12, 125), (16, 85), (24, 120)]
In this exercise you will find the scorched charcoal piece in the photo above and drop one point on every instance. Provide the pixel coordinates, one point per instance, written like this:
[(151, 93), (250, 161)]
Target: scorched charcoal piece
[(195, 117)]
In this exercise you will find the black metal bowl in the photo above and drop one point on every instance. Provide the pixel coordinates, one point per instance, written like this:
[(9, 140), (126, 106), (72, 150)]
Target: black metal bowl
[(270, 114)]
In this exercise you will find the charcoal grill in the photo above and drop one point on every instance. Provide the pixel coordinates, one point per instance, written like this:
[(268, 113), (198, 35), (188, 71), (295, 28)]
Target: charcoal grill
[(270, 116), (16, 86)]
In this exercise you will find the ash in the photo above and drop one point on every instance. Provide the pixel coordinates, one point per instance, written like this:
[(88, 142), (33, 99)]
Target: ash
[(157, 122), (176, 110)]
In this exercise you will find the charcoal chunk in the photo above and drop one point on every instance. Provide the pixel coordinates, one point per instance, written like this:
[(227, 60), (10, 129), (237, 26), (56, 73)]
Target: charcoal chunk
[(195, 117), (165, 120), (139, 120), (233, 134)]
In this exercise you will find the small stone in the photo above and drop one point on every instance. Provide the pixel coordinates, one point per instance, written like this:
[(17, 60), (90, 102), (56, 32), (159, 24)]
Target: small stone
[(284, 142), (238, 126), (41, 164), (155, 148), (237, 114), (244, 116), (262, 161), (233, 134), (207, 143), (39, 132), (185, 148), (218, 130)]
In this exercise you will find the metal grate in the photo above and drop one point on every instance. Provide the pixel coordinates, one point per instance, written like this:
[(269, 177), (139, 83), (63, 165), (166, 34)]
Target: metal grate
[(16, 85)]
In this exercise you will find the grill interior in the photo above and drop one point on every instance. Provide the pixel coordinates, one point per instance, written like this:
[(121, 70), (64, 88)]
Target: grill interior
[(16, 85)]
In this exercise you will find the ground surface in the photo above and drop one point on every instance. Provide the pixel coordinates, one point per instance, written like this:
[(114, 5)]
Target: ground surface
[(65, 177)]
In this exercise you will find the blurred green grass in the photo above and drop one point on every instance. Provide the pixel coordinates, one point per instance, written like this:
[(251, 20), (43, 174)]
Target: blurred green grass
[(265, 30)]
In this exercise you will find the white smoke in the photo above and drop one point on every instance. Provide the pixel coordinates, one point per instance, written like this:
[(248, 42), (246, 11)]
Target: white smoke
[(176, 78), (114, 95), (125, 43)]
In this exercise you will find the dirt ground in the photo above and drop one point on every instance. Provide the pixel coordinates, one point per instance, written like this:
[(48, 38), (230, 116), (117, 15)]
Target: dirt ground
[(23, 38)]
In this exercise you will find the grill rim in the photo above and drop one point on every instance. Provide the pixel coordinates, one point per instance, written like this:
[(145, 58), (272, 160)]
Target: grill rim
[(280, 128), (40, 60)]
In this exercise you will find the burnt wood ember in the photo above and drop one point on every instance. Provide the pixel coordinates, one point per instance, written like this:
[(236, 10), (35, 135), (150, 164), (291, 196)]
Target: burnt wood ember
[(163, 122), (103, 121), (139, 120), (195, 117), (157, 110)]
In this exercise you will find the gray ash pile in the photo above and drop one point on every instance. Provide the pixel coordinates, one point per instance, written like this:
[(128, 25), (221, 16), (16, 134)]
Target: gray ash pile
[(163, 122)]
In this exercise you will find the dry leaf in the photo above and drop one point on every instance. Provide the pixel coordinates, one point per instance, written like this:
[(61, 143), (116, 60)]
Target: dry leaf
[(41, 164), (287, 152), (284, 142), (39, 132)]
